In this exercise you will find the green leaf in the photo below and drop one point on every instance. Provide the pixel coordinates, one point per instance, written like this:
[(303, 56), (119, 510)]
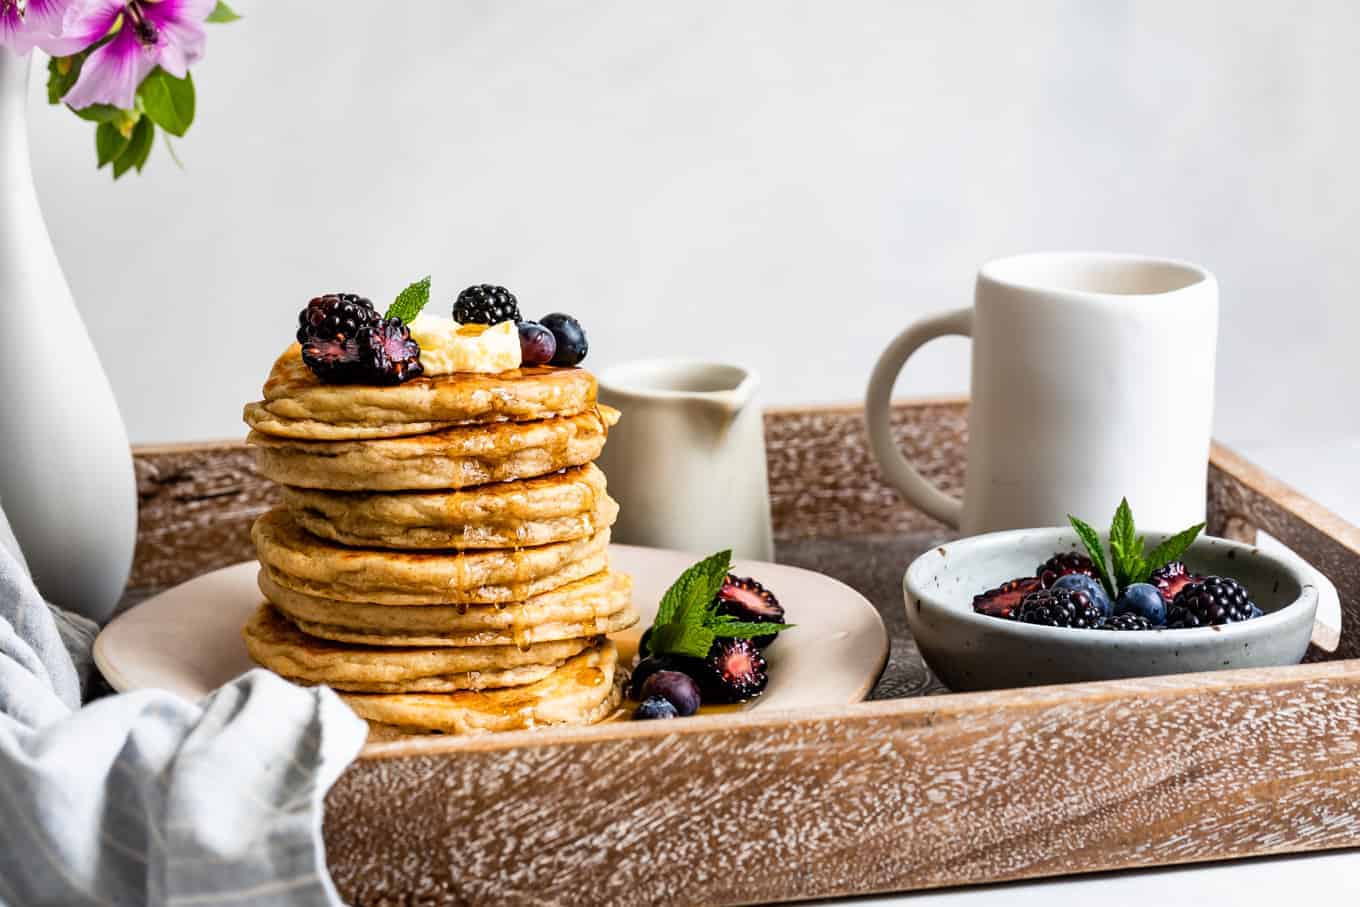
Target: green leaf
[(101, 113), (1169, 550), (744, 629), (694, 591), (168, 101), (62, 73), (223, 13), (138, 147), (681, 639), (1091, 540), (109, 143), (410, 301), (1126, 549)]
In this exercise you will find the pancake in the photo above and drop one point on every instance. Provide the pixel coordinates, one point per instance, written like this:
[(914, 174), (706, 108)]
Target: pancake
[(556, 508), (449, 458), (586, 689), (297, 405), (593, 606), (303, 563), (276, 644)]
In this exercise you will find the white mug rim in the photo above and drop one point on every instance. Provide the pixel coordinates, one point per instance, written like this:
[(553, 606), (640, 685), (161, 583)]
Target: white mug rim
[(1014, 272)]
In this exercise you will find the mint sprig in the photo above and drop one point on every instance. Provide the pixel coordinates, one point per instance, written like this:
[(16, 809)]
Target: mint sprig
[(1128, 563), (687, 619), (410, 301)]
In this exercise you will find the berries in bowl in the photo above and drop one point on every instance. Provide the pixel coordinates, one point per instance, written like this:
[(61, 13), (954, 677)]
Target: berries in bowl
[(983, 619)]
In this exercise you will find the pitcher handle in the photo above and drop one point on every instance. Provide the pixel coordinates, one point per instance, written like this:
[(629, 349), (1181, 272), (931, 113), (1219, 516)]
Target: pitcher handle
[(917, 490)]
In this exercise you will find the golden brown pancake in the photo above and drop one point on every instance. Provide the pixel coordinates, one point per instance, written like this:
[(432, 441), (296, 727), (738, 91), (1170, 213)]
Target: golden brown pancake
[(556, 508), (593, 606), (584, 690), (450, 458), (304, 563), (297, 405), (276, 644)]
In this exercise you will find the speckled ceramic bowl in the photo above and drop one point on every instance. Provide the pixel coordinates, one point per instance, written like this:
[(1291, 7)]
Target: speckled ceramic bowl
[(970, 651)]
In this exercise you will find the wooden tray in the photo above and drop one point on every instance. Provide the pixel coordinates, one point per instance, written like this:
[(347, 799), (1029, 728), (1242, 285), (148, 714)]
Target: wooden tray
[(918, 789)]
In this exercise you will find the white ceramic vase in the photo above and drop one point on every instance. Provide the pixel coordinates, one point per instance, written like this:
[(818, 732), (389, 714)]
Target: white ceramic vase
[(66, 478)]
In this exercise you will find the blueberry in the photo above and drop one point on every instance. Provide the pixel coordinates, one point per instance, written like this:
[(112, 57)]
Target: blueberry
[(1142, 599), (571, 338), (646, 668), (537, 345), (1256, 612), (678, 689), (1080, 582), (653, 708)]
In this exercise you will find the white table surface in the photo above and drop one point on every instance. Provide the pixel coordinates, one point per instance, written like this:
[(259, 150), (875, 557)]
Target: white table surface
[(1330, 474)]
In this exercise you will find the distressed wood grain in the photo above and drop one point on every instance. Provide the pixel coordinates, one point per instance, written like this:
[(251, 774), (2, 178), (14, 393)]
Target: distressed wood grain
[(878, 797)]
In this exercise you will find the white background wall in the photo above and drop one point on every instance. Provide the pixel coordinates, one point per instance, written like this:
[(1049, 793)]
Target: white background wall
[(782, 184)]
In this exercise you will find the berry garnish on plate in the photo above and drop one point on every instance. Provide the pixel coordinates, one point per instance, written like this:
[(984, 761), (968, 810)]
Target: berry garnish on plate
[(712, 638), (1127, 621), (734, 671), (1060, 608), (486, 304), (537, 345), (1212, 601), (744, 598), (1005, 598), (1060, 565), (572, 345)]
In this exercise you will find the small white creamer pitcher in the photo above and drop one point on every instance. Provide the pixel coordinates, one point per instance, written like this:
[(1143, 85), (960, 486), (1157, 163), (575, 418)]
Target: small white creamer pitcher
[(687, 461)]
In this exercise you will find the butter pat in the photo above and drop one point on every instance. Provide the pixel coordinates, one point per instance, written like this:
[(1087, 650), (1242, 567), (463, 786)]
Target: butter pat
[(447, 347)]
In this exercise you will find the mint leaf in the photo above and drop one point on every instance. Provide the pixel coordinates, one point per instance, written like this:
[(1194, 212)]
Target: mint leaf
[(1126, 549), (1169, 550), (745, 629), (168, 101), (681, 639), (137, 150), (109, 143), (222, 13), (1091, 540), (697, 585), (410, 301)]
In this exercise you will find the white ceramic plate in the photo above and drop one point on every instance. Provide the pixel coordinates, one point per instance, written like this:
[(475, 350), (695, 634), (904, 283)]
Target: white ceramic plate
[(188, 639)]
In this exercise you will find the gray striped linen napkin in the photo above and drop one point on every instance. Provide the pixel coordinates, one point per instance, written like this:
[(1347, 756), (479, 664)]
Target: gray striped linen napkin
[(147, 799)]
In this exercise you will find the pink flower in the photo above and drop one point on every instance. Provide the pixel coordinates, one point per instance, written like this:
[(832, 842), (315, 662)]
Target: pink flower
[(146, 34), (25, 24)]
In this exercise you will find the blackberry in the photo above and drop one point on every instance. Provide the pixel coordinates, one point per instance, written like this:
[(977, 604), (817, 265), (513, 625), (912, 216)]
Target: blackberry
[(1060, 565), (334, 361), (1171, 579), (734, 671), (335, 316), (1211, 601), (486, 304), (1060, 608), (387, 354), (747, 600), (1005, 598), (1127, 621)]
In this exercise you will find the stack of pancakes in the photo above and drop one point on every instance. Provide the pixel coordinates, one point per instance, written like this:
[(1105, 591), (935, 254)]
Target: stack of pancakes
[(440, 557)]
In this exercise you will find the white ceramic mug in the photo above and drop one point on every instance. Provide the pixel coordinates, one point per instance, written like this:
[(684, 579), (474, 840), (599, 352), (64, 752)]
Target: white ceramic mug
[(1092, 380), (687, 460)]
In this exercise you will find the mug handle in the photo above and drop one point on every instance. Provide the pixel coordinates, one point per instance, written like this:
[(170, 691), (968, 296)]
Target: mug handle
[(878, 414)]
